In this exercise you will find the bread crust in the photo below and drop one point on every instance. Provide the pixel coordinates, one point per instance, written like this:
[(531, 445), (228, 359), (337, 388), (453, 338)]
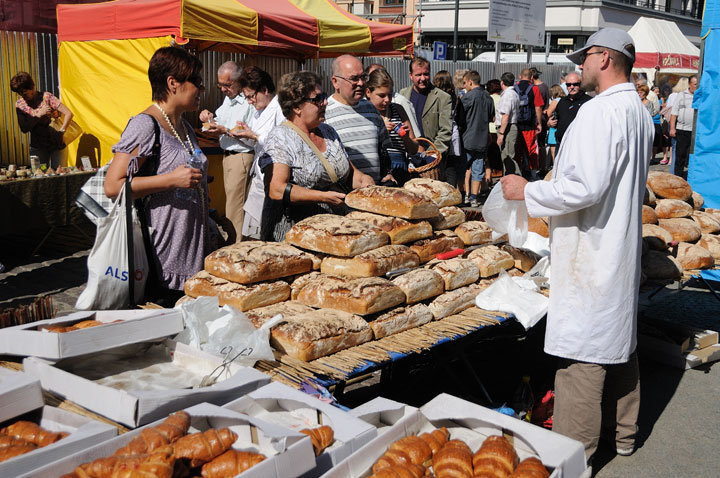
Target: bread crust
[(420, 284), (454, 302), (440, 242), (539, 225), (449, 217), (439, 192), (373, 263), (525, 259), (395, 202), (336, 235), (474, 232), (256, 261), (656, 237), (241, 296), (401, 231), (649, 216), (289, 310), (709, 224), (669, 208), (457, 272), (692, 256), (669, 186), (400, 319), (681, 229), (712, 244), (490, 260)]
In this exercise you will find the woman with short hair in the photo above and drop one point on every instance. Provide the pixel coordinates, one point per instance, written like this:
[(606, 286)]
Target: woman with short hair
[(298, 182)]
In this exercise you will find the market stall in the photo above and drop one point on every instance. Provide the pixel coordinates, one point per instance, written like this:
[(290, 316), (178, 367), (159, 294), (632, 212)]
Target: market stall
[(105, 48)]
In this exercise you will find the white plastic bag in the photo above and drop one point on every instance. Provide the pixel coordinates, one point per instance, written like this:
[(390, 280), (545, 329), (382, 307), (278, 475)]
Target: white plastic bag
[(225, 332), (506, 217), (107, 285), (517, 297)]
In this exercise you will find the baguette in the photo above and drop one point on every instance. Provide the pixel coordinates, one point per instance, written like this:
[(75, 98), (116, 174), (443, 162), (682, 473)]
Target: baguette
[(336, 235), (491, 260), (395, 202), (439, 192), (441, 241), (242, 297), (457, 272), (401, 231), (449, 217), (373, 263), (400, 319), (474, 232), (420, 284)]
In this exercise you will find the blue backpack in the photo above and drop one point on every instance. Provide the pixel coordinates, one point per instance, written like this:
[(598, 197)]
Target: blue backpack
[(525, 110)]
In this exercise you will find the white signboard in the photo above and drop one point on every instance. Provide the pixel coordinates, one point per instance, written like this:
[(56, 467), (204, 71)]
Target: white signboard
[(517, 21)]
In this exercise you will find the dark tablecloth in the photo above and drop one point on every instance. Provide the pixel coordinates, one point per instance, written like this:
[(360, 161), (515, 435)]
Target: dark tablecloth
[(40, 203)]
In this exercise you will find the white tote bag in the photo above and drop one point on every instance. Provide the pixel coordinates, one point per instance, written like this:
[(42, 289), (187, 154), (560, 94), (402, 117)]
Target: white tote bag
[(107, 287)]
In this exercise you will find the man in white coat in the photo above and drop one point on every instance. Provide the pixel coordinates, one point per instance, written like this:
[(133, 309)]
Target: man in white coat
[(594, 202)]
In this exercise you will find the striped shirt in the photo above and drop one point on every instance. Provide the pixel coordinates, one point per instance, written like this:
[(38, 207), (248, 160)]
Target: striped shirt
[(362, 132)]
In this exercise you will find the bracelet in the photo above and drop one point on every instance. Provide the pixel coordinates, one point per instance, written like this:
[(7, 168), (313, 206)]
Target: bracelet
[(502, 133), (286, 194)]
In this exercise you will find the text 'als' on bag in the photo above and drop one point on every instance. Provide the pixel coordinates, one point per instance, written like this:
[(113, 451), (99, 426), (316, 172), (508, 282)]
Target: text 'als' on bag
[(109, 267)]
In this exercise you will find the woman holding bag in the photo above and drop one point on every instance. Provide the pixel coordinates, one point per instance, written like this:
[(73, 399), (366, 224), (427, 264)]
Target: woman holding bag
[(178, 223)]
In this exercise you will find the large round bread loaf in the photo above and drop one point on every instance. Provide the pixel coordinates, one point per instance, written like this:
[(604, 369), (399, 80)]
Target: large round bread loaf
[(656, 237), (712, 244), (659, 265), (697, 201), (708, 223), (681, 229), (714, 212), (649, 216), (538, 225), (649, 199), (669, 208), (669, 186), (692, 256), (439, 192)]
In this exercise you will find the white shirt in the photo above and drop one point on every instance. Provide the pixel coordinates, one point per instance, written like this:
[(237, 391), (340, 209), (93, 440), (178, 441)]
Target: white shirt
[(682, 108), (508, 105), (228, 114), (409, 109), (594, 201), (261, 124)]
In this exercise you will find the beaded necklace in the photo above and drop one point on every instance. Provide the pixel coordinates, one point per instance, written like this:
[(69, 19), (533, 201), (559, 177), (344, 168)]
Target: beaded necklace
[(187, 135)]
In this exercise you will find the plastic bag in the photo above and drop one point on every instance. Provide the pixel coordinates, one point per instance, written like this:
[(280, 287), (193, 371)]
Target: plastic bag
[(506, 217), (515, 296), (225, 332)]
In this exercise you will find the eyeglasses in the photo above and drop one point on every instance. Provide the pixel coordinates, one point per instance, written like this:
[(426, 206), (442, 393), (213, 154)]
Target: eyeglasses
[(197, 81), (572, 84), (355, 79), (318, 99), (224, 85), (251, 97), (584, 55)]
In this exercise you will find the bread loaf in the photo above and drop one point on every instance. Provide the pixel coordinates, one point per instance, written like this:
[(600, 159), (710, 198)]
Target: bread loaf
[(454, 302), (440, 242), (449, 217), (708, 223), (530, 467), (539, 225), (656, 237), (660, 266), (420, 284), (681, 229), (697, 201), (649, 216), (240, 296), (400, 230), (692, 256), (372, 263), (669, 208), (491, 260), (669, 186), (336, 235), (395, 202), (289, 310), (649, 199), (363, 296), (474, 232), (400, 319), (439, 192), (525, 259), (714, 212), (712, 244), (457, 272), (255, 261)]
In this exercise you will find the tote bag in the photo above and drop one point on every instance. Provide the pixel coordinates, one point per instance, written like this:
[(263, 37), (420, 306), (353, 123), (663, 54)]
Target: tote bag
[(109, 269)]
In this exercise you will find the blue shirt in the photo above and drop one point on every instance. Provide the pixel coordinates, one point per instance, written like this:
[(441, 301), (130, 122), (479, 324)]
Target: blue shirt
[(418, 101)]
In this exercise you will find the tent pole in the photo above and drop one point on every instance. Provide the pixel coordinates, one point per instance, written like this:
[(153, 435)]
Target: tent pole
[(695, 112)]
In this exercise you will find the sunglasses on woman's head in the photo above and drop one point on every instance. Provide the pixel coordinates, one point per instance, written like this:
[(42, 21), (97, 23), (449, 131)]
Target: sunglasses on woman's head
[(318, 99)]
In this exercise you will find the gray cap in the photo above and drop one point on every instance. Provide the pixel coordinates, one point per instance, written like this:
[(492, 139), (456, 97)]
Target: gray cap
[(613, 38)]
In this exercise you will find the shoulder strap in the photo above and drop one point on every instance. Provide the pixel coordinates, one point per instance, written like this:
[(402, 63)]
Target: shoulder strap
[(151, 164), (328, 168)]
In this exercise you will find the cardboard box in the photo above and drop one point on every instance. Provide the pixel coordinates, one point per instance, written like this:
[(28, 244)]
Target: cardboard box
[(134, 408), (471, 423), (19, 393), (677, 345), (382, 413), (83, 433), (280, 404), (134, 326), (289, 454)]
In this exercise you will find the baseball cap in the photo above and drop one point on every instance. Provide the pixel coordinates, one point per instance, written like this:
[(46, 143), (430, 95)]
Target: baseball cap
[(613, 38)]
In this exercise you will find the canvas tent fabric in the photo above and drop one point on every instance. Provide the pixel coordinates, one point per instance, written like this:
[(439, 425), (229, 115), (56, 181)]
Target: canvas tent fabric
[(661, 43)]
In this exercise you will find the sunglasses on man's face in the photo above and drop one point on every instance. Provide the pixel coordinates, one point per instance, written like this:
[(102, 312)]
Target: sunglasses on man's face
[(573, 84), (318, 99)]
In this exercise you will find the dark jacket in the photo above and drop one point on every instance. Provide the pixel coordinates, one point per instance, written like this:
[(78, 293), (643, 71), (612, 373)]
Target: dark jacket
[(475, 111), (567, 109)]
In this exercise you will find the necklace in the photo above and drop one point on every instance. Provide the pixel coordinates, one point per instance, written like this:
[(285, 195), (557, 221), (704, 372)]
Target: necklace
[(187, 135)]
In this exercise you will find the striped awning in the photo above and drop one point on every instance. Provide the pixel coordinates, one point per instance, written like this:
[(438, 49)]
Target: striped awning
[(291, 28)]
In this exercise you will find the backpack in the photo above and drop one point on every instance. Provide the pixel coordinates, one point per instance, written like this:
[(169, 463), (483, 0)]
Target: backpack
[(526, 112)]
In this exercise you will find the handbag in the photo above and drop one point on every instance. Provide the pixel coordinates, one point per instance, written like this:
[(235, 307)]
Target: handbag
[(72, 131)]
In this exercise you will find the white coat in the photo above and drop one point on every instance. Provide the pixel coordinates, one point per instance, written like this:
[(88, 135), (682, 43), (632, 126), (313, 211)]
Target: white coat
[(594, 201)]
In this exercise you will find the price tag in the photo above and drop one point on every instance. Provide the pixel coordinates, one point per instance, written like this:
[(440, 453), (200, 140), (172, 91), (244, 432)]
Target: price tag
[(86, 164)]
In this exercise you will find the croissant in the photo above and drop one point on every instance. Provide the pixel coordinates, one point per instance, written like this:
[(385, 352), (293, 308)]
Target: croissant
[(454, 460), (411, 449), (158, 464), (231, 463), (436, 439), (14, 450), (496, 458), (530, 468), (32, 433), (6, 441), (174, 426), (85, 324), (200, 448), (322, 437), (401, 471)]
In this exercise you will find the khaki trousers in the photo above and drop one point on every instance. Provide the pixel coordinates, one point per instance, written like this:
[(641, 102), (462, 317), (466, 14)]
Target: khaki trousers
[(510, 166), (588, 395), (236, 177)]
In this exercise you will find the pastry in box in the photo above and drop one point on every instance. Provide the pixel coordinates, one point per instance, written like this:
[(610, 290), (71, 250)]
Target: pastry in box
[(240, 296), (401, 231), (373, 263), (336, 235), (395, 202)]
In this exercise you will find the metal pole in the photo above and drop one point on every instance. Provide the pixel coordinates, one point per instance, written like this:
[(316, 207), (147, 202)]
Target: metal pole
[(455, 30), (497, 59), (419, 19), (547, 46), (529, 54)]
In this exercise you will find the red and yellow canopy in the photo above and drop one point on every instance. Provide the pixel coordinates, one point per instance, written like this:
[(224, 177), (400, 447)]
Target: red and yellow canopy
[(294, 28)]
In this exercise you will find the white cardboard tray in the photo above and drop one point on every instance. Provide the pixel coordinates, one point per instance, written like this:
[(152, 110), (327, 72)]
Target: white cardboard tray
[(382, 413), (278, 403), (136, 326), (19, 393), (289, 454)]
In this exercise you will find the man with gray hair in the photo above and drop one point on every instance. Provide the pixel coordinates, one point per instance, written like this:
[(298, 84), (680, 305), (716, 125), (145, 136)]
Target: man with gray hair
[(568, 106), (238, 156)]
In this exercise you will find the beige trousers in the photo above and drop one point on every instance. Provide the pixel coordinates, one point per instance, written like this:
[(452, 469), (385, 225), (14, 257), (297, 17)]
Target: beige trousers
[(236, 177), (589, 397), (507, 154)]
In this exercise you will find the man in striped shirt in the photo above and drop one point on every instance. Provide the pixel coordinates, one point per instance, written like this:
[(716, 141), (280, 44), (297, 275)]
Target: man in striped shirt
[(357, 122)]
